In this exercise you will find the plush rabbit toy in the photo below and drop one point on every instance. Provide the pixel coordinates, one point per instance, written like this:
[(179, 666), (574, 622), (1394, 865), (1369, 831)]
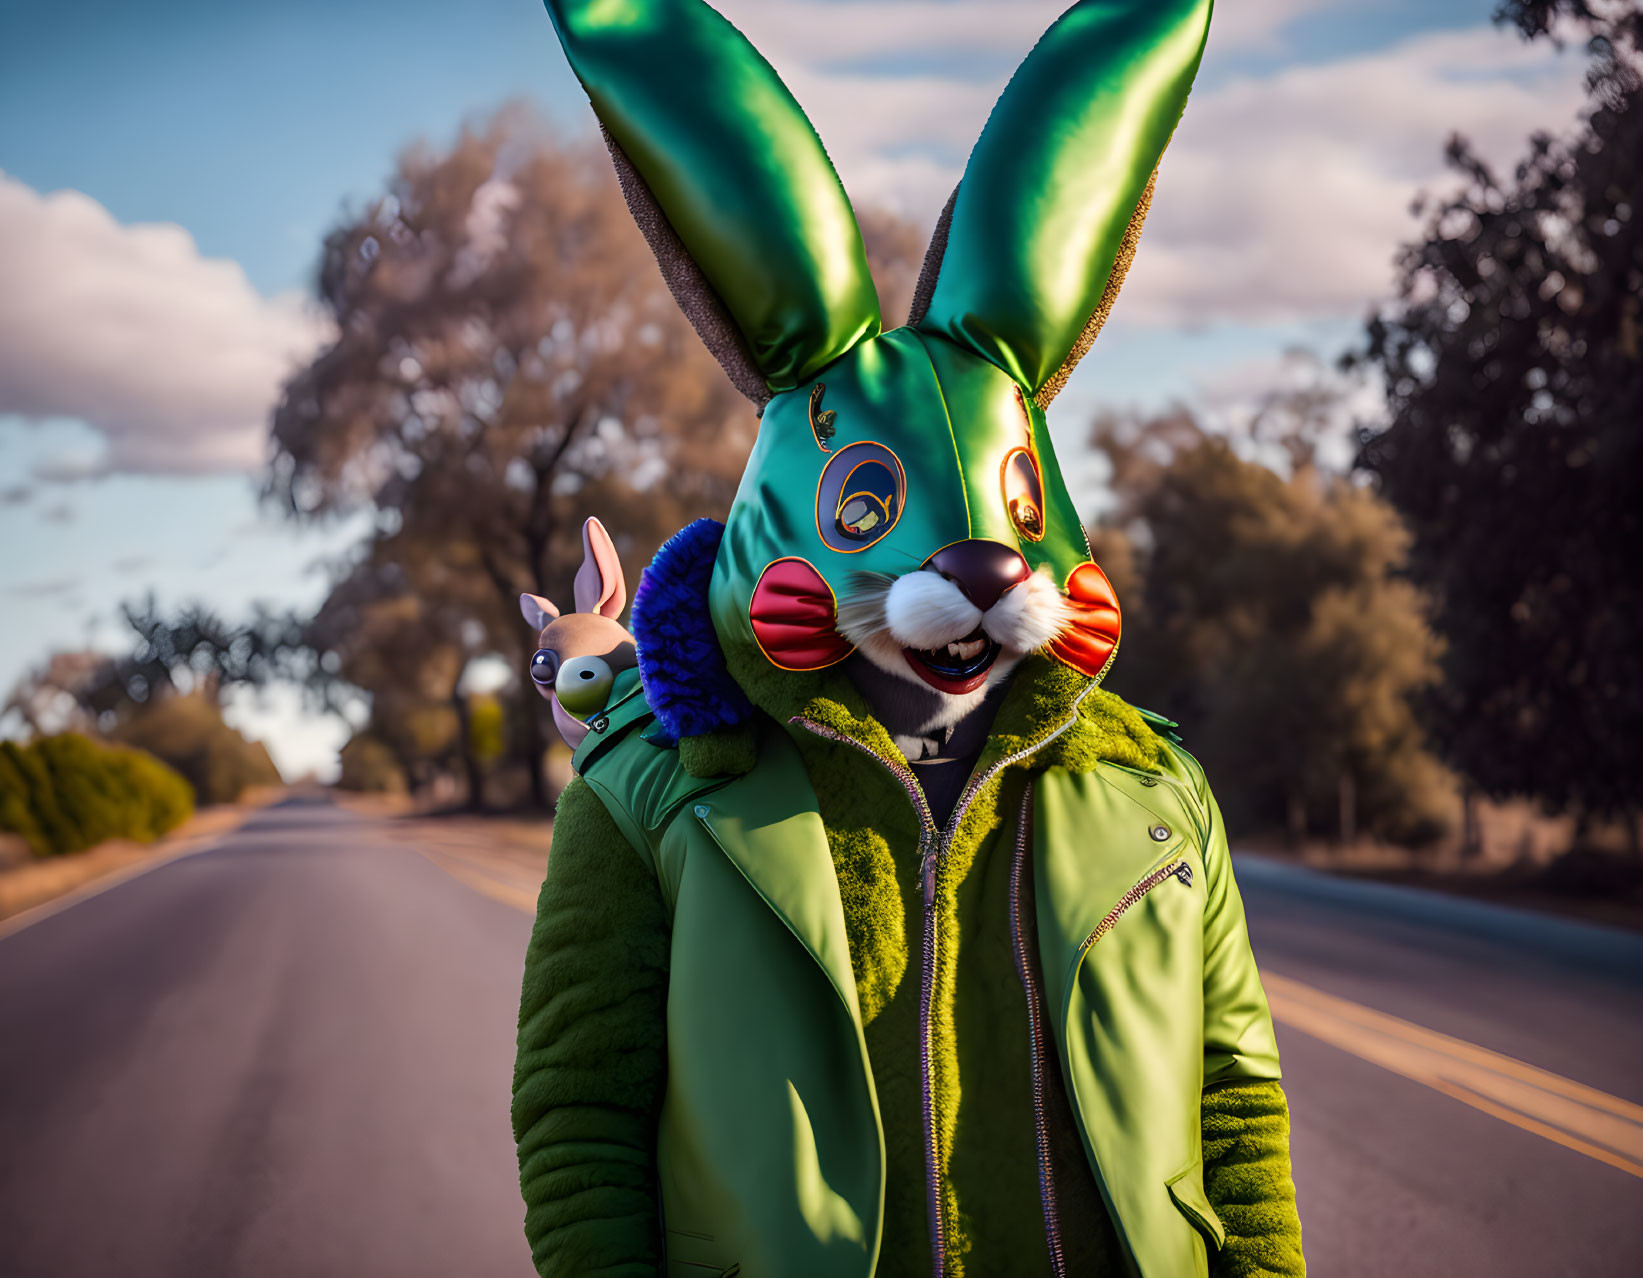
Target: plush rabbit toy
[(877, 938), (581, 655)]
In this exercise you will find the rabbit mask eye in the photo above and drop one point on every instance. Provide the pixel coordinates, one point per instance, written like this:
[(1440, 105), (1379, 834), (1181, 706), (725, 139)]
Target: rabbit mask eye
[(860, 496), (1024, 494), (545, 667)]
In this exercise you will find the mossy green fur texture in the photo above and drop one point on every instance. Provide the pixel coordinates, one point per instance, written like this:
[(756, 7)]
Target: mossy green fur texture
[(724, 752), (1247, 1179), (592, 1052), (993, 1222)]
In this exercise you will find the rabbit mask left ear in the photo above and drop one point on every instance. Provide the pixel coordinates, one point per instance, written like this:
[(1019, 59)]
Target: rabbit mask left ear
[(730, 185)]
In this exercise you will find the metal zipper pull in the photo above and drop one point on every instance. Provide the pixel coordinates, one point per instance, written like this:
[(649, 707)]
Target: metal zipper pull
[(1184, 873)]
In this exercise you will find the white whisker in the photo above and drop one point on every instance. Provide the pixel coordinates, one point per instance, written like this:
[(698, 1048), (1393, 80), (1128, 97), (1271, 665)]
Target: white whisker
[(1029, 615), (883, 614), (925, 610)]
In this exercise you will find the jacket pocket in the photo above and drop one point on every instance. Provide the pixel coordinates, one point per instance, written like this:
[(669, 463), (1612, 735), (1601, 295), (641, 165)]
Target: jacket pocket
[(1187, 1189)]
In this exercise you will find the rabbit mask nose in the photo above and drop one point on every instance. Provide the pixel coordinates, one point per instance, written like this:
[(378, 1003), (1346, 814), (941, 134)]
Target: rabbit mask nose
[(982, 569)]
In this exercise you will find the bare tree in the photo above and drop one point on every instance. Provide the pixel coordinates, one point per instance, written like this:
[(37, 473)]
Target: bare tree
[(507, 362)]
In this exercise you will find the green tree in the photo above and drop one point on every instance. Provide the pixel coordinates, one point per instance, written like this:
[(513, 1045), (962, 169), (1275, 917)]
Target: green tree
[(165, 694), (188, 732), (370, 766), (485, 728), (1513, 365), (1268, 616), (394, 638), (189, 650)]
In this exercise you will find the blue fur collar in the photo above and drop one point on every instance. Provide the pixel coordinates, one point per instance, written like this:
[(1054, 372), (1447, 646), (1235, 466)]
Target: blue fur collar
[(680, 662)]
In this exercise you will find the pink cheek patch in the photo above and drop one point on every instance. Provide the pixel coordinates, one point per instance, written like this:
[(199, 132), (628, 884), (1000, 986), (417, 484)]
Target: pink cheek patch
[(1087, 644), (793, 614)]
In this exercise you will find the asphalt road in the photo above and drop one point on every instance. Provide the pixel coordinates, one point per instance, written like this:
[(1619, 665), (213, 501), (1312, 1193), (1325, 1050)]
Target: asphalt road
[(290, 1056), (1395, 1177)]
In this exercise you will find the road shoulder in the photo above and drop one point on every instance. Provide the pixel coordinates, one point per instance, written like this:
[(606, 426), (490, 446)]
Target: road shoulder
[(41, 887)]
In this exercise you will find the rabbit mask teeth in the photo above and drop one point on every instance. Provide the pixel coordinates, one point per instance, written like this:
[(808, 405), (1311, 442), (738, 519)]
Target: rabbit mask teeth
[(921, 627)]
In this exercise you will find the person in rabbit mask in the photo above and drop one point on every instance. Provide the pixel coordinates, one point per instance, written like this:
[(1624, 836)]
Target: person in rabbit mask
[(877, 938)]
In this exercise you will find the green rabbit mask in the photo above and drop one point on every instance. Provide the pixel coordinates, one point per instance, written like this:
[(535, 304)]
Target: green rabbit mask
[(903, 498)]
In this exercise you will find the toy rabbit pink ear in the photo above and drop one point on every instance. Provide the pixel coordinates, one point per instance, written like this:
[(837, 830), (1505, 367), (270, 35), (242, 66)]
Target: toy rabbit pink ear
[(600, 586), (537, 611)]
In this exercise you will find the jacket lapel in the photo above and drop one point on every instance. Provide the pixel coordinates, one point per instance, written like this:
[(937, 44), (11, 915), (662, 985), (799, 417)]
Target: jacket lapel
[(768, 825)]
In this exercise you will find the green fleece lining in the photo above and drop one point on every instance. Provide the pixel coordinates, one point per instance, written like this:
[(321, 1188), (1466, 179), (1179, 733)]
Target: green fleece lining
[(592, 1053), (727, 752), (1247, 1180), (1038, 703)]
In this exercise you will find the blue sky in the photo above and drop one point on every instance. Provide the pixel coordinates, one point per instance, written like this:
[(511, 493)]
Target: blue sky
[(251, 127)]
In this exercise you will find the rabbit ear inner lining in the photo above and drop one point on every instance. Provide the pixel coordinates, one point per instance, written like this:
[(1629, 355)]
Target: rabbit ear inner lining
[(1109, 295), (696, 297), (931, 269)]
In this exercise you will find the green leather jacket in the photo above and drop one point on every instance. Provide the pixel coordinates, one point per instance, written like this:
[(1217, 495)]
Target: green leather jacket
[(770, 1151)]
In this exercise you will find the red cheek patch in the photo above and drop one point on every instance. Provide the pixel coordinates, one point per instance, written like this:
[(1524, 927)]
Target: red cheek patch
[(1087, 644), (793, 614)]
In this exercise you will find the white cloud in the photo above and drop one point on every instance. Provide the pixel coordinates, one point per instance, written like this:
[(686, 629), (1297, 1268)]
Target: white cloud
[(1283, 196), (822, 31), (172, 357), (1290, 386), (1286, 197), (862, 71)]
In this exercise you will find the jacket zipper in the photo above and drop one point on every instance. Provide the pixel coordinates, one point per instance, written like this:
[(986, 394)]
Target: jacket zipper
[(1036, 1044), (1039, 1053), (1176, 869), (933, 846)]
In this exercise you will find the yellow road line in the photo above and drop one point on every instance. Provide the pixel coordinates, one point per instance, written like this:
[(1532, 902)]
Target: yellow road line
[(480, 881), (1559, 1109)]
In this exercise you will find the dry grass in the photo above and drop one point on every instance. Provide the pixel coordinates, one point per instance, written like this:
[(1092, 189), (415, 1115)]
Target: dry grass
[(26, 883)]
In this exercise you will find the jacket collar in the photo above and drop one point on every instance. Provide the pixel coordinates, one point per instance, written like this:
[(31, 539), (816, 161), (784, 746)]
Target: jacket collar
[(1052, 715)]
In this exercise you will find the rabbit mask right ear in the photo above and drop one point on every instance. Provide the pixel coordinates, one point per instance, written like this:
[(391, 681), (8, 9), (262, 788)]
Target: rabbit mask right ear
[(1029, 255), (729, 184)]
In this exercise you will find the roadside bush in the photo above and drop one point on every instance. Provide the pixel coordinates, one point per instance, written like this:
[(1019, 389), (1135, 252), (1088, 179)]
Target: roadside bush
[(369, 766), (66, 793), (188, 733), (27, 799)]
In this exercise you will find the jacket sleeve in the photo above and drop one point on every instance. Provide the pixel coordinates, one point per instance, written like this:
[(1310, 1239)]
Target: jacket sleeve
[(592, 1053), (1238, 1041), (1247, 1180)]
